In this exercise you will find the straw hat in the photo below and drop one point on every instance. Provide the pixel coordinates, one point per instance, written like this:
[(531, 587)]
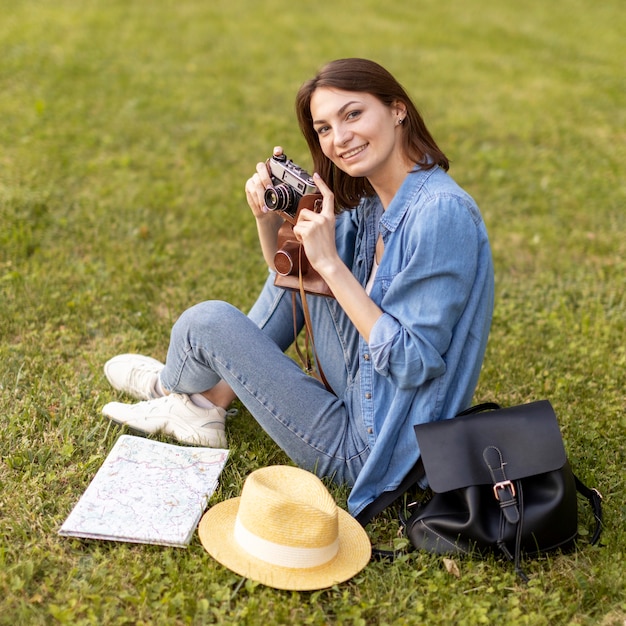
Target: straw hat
[(285, 531)]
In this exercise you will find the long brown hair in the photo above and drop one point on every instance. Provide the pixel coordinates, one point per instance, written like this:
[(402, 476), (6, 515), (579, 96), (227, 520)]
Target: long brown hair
[(365, 76)]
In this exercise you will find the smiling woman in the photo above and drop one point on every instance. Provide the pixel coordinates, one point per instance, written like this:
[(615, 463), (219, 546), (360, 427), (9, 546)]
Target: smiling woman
[(362, 137), (401, 343), (363, 84)]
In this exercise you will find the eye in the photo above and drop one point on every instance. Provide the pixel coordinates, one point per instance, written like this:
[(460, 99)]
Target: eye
[(353, 114), (321, 130)]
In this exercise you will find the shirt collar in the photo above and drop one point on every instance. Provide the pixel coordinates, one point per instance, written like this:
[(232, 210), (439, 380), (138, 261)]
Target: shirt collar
[(410, 187)]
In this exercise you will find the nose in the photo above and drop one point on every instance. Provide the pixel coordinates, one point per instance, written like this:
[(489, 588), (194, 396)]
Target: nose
[(342, 135)]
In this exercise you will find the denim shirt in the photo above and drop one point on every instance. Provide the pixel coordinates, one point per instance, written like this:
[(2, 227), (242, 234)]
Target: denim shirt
[(435, 286)]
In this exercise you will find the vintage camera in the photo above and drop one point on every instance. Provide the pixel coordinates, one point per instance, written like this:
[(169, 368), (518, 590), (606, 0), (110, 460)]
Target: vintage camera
[(290, 183), (293, 190)]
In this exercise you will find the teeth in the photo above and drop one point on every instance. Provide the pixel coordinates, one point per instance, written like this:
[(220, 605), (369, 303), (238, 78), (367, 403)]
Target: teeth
[(347, 155)]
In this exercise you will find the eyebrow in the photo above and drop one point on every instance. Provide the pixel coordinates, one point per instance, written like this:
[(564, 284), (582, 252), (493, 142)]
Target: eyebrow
[(341, 110)]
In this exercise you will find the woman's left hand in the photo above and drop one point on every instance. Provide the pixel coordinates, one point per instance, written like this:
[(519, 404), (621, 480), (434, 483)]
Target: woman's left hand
[(316, 231)]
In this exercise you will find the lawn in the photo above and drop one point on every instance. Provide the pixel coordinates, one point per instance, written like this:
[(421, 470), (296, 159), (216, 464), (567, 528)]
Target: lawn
[(127, 131)]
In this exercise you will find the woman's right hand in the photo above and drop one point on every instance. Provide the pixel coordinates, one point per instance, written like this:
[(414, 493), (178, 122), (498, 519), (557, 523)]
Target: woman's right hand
[(268, 222), (256, 186)]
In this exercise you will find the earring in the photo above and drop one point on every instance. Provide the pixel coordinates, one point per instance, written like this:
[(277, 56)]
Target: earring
[(400, 120)]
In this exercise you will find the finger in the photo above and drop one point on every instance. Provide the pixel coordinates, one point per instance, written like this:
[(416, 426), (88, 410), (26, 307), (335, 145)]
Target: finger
[(264, 175), (254, 186), (255, 193), (320, 184), (252, 190), (328, 205), (306, 215)]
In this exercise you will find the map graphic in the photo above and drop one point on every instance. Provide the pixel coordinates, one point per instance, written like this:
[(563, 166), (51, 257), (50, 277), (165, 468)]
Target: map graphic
[(147, 492)]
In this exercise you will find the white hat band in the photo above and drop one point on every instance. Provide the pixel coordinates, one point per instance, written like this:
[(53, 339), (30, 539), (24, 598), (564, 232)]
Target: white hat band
[(281, 555)]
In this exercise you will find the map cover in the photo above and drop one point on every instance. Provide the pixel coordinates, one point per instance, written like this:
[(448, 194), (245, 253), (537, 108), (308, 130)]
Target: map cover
[(147, 492)]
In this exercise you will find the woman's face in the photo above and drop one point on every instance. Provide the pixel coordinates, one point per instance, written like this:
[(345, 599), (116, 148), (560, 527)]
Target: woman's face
[(357, 132)]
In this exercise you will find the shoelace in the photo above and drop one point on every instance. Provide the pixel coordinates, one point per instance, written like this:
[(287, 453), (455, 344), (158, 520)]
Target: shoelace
[(141, 378)]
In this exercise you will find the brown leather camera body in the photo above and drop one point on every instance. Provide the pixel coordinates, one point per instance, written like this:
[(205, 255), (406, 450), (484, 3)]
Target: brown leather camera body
[(290, 260)]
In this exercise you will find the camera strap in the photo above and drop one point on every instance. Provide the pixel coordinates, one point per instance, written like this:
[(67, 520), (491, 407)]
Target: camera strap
[(309, 341)]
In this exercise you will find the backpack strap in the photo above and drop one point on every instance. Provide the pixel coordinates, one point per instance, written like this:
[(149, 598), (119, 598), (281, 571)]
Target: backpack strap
[(595, 501), (479, 408)]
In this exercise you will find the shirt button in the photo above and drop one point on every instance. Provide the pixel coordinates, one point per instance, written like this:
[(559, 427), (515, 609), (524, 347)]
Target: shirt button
[(370, 430), (368, 396), (366, 357)]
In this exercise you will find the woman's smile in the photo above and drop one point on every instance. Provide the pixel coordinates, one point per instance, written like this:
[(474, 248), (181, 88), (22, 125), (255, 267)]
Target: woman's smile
[(353, 152)]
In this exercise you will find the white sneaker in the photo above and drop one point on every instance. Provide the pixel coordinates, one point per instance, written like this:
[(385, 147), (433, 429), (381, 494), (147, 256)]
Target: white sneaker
[(175, 415), (134, 374)]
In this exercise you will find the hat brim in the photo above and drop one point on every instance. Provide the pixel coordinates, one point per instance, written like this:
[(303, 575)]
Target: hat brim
[(216, 531)]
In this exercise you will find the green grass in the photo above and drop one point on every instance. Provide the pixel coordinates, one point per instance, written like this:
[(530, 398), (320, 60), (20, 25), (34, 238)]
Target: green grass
[(127, 131)]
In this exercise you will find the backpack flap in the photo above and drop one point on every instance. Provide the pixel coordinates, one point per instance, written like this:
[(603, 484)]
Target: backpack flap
[(492, 447)]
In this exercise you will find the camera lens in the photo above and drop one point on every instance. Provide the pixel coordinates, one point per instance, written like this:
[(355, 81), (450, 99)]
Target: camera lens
[(279, 198)]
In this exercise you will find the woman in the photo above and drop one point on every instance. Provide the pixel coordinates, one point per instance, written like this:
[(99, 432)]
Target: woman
[(408, 260)]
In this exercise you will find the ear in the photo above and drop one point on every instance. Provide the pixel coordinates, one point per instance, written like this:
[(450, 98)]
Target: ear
[(398, 109)]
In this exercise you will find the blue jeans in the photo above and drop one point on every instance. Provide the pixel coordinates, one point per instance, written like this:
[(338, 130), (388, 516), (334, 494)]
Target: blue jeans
[(320, 431)]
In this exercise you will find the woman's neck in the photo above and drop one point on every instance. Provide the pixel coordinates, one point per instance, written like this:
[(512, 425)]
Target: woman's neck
[(386, 184)]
